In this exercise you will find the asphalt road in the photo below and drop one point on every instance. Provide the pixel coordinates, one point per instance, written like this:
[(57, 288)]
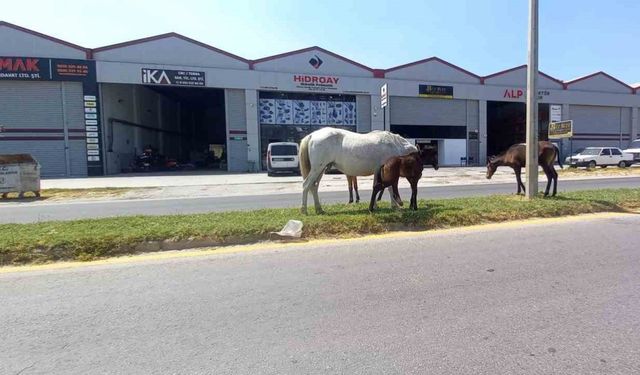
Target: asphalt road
[(552, 298), (29, 212)]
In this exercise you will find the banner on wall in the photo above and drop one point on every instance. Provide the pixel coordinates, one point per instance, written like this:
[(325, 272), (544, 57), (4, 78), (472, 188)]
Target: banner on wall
[(307, 109), (561, 129), (152, 76), (22, 68), (555, 113)]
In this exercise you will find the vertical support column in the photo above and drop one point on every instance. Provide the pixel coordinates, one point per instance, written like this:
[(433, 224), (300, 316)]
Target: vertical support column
[(253, 130), (160, 125), (566, 143), (136, 119), (376, 113), (65, 124), (482, 132), (633, 132), (532, 103)]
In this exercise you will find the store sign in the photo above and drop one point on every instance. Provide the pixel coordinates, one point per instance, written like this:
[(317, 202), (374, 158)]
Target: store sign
[(315, 83), (44, 69), (513, 93), (555, 113), (433, 91), (519, 93), (315, 61), (172, 77), (384, 98), (561, 129)]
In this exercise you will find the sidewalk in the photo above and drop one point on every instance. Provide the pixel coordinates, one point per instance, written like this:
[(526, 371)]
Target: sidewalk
[(220, 185)]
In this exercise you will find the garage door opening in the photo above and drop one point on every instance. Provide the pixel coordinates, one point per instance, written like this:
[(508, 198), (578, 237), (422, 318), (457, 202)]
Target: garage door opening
[(164, 129), (506, 125)]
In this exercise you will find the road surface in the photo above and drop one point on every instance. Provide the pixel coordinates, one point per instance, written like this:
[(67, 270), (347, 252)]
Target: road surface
[(32, 212), (559, 297)]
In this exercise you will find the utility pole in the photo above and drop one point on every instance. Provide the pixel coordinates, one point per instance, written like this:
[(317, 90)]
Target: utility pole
[(532, 103)]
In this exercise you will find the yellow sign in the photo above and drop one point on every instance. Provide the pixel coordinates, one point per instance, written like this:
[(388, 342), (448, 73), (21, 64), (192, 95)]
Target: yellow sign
[(561, 129)]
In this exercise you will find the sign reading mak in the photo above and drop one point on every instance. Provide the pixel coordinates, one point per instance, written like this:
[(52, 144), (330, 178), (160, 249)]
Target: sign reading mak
[(561, 129), (44, 69), (316, 83), (172, 77)]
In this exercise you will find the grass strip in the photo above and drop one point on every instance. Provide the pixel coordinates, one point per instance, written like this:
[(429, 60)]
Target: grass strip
[(98, 238)]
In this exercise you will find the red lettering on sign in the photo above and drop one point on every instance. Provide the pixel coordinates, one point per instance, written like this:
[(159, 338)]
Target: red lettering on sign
[(315, 79), (18, 66), (32, 65), (6, 64), (512, 93)]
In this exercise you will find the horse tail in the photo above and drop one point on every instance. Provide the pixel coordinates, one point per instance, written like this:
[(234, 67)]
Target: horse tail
[(558, 155), (303, 156)]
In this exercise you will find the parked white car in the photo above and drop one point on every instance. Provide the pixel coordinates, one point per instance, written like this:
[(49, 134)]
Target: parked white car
[(634, 149), (601, 156), (282, 157)]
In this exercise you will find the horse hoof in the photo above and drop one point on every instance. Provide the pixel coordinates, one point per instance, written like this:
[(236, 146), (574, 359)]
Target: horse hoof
[(320, 212), (304, 211), (350, 201)]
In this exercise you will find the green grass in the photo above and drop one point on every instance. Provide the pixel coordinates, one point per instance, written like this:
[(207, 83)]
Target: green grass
[(92, 239)]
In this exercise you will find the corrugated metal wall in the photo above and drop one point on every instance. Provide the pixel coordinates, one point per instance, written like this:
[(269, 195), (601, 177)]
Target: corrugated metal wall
[(600, 126), (427, 111), (363, 113), (31, 113), (236, 128)]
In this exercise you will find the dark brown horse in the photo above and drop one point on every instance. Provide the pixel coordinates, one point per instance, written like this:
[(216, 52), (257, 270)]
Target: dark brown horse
[(515, 157), (352, 181), (408, 166)]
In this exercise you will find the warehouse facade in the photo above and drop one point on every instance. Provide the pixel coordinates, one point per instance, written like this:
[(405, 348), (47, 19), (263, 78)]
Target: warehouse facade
[(89, 112)]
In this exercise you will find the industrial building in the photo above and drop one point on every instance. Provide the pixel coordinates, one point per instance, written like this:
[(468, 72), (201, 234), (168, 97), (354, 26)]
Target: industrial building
[(89, 112)]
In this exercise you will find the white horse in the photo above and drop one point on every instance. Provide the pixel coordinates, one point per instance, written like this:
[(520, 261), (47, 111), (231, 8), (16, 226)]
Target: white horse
[(354, 154)]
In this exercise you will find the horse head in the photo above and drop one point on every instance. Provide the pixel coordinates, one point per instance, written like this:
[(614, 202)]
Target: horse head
[(429, 156), (492, 166)]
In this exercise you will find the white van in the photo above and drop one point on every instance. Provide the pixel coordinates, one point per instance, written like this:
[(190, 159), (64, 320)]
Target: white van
[(282, 157)]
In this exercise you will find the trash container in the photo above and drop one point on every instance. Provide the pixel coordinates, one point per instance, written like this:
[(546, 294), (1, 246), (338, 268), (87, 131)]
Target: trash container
[(19, 173)]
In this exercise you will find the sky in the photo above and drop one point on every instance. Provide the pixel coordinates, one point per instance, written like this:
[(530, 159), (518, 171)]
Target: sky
[(577, 37)]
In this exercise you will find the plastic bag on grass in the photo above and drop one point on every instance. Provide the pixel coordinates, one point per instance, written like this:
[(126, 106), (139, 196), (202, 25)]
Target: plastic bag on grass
[(293, 229)]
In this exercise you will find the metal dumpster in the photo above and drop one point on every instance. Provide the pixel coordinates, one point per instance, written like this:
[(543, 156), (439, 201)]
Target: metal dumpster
[(19, 173)]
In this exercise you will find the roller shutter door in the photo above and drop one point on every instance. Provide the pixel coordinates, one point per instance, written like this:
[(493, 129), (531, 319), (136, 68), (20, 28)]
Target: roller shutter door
[(31, 114), (595, 120)]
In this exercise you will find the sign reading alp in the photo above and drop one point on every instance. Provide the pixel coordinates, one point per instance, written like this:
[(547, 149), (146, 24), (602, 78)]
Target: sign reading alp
[(561, 129), (384, 98)]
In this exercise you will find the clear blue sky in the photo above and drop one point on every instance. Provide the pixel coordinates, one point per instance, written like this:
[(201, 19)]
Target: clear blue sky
[(577, 37)]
